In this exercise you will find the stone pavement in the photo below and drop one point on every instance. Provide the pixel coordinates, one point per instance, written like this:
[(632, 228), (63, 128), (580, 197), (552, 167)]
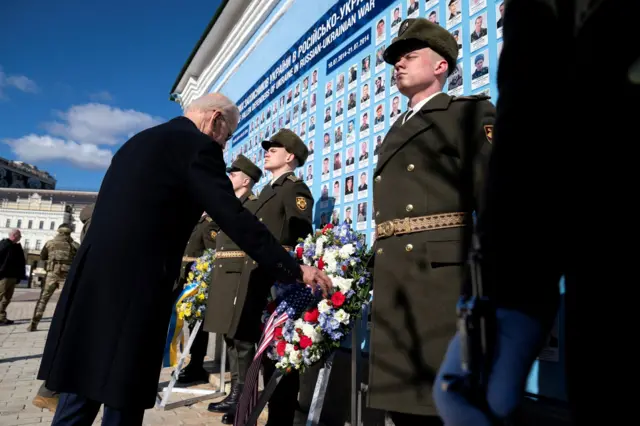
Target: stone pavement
[(20, 354)]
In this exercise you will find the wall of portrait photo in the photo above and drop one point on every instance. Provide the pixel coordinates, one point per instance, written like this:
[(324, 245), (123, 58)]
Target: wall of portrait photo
[(332, 87)]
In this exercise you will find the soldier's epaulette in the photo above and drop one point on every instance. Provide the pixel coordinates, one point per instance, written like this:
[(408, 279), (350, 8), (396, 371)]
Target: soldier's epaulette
[(208, 219), (293, 178), (252, 197), (471, 98)]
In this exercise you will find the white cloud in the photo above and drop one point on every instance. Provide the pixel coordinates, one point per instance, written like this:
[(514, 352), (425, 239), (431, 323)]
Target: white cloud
[(16, 81), (34, 148), (99, 124), (80, 132), (102, 96)]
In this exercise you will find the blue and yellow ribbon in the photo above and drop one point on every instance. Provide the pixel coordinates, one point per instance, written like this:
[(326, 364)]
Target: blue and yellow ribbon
[(175, 337)]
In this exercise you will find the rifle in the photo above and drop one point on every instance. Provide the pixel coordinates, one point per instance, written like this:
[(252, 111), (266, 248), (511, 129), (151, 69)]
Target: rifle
[(475, 329)]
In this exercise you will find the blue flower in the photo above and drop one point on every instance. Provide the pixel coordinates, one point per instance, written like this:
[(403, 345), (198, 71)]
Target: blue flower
[(336, 335)]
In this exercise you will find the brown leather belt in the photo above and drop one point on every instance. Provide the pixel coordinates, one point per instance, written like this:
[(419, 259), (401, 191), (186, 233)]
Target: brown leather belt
[(411, 225), (237, 253)]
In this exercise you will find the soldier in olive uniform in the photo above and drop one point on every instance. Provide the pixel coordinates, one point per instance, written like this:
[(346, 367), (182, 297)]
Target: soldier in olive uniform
[(436, 152), (285, 207), (58, 253), (202, 237), (226, 284)]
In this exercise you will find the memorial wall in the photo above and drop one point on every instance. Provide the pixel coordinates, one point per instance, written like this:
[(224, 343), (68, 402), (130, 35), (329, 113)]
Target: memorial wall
[(332, 87)]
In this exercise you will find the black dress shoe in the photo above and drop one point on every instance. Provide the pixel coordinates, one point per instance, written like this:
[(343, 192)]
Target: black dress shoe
[(230, 401), (229, 417), (192, 375)]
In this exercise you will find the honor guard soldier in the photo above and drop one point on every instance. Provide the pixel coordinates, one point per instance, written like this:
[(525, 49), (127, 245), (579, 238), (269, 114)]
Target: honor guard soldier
[(285, 207), (58, 253), (202, 237), (226, 285), (436, 152)]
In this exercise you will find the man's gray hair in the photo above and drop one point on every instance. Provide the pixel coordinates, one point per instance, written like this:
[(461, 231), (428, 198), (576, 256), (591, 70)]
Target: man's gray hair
[(14, 233), (216, 102)]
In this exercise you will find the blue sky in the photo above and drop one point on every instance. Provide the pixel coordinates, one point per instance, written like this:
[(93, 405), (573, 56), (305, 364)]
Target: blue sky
[(77, 78)]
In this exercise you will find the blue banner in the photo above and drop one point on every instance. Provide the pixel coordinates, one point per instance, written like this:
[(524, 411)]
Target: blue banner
[(332, 29), (360, 43)]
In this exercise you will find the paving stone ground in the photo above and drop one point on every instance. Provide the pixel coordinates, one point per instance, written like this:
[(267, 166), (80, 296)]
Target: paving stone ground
[(20, 354)]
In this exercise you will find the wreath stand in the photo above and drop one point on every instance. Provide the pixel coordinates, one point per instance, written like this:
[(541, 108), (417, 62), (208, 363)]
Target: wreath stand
[(201, 394), (357, 387)]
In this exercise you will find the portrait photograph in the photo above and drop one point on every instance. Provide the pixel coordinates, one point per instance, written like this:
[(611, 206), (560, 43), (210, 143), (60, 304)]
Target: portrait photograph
[(454, 13), (378, 120), (476, 6), (455, 81), (364, 124), (366, 68), (396, 18), (351, 104), (480, 69), (381, 31), (413, 8), (353, 77), (478, 27)]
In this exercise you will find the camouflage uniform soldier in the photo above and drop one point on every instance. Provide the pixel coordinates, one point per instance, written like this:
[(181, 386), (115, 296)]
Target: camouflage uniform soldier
[(58, 253)]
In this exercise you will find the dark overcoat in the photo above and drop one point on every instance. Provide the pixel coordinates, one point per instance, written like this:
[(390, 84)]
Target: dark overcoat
[(285, 207), (437, 158), (225, 276), (110, 325)]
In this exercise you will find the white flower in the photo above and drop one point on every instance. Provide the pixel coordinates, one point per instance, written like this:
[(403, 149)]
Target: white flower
[(295, 357), (298, 323), (312, 332), (341, 283), (347, 250), (324, 306), (342, 316), (288, 348), (320, 245), (330, 259)]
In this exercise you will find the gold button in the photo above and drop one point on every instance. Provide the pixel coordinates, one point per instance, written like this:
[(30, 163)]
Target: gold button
[(221, 248), (378, 213), (409, 207), (260, 219), (408, 247), (254, 262), (378, 178), (410, 167), (379, 251)]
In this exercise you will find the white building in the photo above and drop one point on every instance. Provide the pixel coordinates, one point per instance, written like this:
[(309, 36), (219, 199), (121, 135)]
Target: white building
[(38, 213)]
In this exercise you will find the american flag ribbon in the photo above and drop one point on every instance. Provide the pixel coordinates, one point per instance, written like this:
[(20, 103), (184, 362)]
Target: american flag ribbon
[(295, 302)]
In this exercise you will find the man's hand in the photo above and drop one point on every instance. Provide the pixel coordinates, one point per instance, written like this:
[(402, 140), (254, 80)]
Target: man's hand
[(312, 276)]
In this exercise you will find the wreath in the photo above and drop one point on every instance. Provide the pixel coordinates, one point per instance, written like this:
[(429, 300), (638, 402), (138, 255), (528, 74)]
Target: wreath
[(192, 304), (343, 255)]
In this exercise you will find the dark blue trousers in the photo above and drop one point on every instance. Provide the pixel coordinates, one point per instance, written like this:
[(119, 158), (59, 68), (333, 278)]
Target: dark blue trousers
[(75, 410), (518, 342)]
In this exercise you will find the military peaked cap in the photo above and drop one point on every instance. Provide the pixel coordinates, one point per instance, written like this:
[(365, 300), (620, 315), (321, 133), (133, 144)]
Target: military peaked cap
[(288, 140), (424, 33), (244, 165)]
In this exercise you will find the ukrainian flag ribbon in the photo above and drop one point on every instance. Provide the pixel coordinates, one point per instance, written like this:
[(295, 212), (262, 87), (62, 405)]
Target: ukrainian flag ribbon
[(175, 337)]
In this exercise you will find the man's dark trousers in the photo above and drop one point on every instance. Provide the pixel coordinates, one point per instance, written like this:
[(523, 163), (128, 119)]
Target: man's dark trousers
[(76, 410)]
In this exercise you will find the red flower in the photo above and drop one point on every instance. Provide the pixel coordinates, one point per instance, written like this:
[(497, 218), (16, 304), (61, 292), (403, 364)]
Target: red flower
[(299, 252), (337, 299), (305, 342), (312, 315), (271, 307), (280, 347), (344, 268), (327, 227), (277, 333), (320, 264)]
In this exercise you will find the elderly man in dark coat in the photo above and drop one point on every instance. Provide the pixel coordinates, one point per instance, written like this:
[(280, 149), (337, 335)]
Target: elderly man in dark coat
[(107, 335)]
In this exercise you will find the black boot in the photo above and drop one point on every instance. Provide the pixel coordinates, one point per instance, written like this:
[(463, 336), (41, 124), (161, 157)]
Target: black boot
[(230, 401), (193, 374), (229, 417)]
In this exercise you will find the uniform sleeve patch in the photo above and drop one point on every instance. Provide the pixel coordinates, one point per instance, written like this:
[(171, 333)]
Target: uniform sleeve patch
[(488, 131), (301, 203), (213, 235)]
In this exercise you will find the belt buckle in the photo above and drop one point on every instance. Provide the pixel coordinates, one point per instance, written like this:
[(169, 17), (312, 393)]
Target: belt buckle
[(386, 229)]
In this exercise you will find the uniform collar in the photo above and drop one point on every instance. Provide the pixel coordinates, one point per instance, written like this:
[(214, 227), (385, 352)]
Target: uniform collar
[(281, 179)]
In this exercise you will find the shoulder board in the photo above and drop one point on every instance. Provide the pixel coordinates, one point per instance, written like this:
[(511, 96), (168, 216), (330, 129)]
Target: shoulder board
[(252, 197), (208, 219), (293, 178), (471, 98)]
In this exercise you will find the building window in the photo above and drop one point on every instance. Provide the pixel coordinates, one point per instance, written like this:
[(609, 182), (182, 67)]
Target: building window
[(8, 223), (30, 225), (19, 223), (41, 224), (26, 244), (53, 226), (38, 244)]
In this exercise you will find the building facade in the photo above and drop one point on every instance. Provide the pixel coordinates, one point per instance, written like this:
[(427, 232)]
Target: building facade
[(316, 67), (38, 213), (16, 174)]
